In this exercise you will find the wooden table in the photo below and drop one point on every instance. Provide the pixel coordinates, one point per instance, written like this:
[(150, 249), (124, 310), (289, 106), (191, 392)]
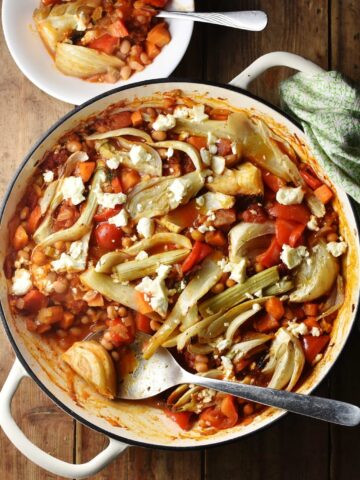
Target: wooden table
[(325, 31)]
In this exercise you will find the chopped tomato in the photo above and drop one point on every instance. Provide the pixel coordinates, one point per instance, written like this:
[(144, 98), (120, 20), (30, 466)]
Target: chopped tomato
[(295, 213), (271, 256), (225, 416), (272, 181), (311, 309), (254, 214), (275, 308), (310, 180), (34, 300), (108, 236), (224, 147), (324, 194), (266, 323), (181, 418), (118, 29), (120, 333), (34, 219), (224, 217), (116, 185), (142, 323), (199, 252), (197, 142), (288, 232), (106, 44), (106, 213), (314, 345)]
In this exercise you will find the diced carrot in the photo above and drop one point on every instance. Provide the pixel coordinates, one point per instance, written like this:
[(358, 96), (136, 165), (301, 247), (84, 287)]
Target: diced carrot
[(216, 238), (106, 43), (312, 181), (142, 323), (118, 29), (34, 300), (34, 219), (272, 181), (311, 309), (159, 35), (311, 322), (266, 323), (156, 3), (197, 142), (129, 178), (324, 194), (136, 118), (314, 345), (86, 169), (219, 114), (67, 321), (142, 305), (21, 238), (275, 308), (116, 185), (152, 50), (120, 120)]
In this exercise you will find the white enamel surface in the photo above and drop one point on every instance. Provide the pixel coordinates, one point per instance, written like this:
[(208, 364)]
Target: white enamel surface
[(34, 61), (144, 424)]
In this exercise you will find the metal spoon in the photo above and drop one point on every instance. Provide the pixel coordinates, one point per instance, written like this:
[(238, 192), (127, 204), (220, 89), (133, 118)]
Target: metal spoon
[(254, 20), (161, 371)]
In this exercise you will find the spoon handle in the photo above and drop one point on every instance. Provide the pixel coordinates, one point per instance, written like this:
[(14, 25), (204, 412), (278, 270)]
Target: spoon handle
[(254, 20), (332, 411)]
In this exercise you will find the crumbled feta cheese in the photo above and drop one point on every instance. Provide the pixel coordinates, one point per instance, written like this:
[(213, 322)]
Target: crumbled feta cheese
[(74, 260), (249, 295), (164, 123), (200, 201), (312, 224), (48, 176), (155, 290), (113, 163), (256, 307), (205, 156), (110, 200), (223, 344), (139, 207), (258, 293), (317, 358), (237, 270), (21, 282), (210, 179), (73, 189), (82, 22), (292, 257), (145, 227), (218, 164), (170, 152), (121, 219), (228, 367), (297, 328), (178, 190), (211, 142), (289, 195), (315, 332), (235, 148), (142, 255), (205, 228), (336, 248), (198, 113), (181, 111), (138, 154)]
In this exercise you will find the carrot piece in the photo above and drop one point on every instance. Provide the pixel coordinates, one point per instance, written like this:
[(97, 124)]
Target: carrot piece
[(120, 120), (311, 309), (129, 178), (142, 305), (159, 35), (86, 169), (34, 300), (142, 323), (324, 194), (311, 322), (34, 218), (116, 185), (314, 345), (106, 43), (216, 238), (275, 308), (219, 114), (118, 29), (136, 118), (312, 181), (266, 323), (21, 238), (224, 147), (152, 50), (272, 181), (197, 142), (67, 321)]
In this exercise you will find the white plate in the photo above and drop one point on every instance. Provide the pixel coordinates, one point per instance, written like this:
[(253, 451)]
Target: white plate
[(34, 61)]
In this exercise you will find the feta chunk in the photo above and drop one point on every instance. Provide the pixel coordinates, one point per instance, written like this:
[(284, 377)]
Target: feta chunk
[(139, 154), (145, 227), (228, 367), (292, 257), (75, 259), (312, 224), (163, 123), (113, 163), (218, 164), (290, 196), (178, 190), (336, 248), (21, 282), (237, 270), (142, 255), (73, 189), (110, 200), (297, 328), (48, 176), (205, 156), (315, 332), (198, 113), (170, 152), (181, 111), (121, 219), (156, 291)]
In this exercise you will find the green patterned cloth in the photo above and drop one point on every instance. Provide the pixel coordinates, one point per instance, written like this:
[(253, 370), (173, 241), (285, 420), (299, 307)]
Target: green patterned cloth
[(328, 107)]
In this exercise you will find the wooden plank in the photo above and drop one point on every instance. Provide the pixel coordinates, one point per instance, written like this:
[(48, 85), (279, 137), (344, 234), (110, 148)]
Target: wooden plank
[(27, 113), (282, 451), (345, 37)]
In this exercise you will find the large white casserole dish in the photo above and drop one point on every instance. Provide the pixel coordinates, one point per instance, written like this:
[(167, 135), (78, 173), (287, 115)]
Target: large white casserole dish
[(139, 424)]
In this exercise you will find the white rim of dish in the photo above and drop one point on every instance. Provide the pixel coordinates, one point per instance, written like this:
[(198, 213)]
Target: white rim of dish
[(76, 91)]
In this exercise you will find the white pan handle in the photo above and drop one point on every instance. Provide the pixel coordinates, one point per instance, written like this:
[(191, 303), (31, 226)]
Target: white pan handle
[(34, 453), (274, 59)]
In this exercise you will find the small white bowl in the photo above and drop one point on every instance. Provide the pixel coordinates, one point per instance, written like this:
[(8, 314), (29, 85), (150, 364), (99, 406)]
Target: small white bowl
[(32, 58)]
